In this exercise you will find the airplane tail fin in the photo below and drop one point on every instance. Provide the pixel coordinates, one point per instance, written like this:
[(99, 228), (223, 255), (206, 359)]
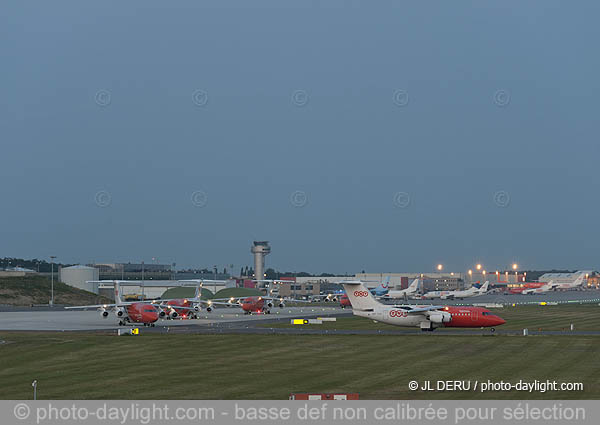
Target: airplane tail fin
[(117, 292), (484, 287), (358, 294), (386, 285), (414, 285)]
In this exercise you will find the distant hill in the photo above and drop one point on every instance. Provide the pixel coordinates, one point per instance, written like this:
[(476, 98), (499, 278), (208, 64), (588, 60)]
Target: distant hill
[(186, 292), (237, 292), (27, 290)]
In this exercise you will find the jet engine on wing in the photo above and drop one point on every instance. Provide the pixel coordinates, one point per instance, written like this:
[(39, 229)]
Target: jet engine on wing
[(440, 317)]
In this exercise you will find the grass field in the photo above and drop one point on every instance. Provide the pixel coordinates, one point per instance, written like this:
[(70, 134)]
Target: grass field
[(96, 366), (27, 290), (533, 317)]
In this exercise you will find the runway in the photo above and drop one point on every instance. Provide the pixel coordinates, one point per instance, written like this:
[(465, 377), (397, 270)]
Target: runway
[(226, 320), (71, 320)]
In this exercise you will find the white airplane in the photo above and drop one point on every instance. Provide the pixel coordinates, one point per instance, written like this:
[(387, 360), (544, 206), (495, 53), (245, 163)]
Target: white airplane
[(572, 285), (449, 295), (403, 293), (427, 318), (547, 287)]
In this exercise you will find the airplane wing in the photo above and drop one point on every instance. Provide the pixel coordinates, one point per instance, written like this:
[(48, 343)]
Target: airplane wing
[(106, 306), (419, 309)]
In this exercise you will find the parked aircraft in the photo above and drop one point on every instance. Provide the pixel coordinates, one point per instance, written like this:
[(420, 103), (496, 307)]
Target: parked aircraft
[(412, 290), (572, 285), (449, 295), (128, 312), (546, 287)]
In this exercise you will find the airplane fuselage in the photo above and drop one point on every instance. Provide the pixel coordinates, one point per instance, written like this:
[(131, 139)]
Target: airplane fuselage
[(141, 313), (450, 316)]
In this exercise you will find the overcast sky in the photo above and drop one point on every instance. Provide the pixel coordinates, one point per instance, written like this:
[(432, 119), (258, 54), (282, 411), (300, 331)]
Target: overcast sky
[(384, 136)]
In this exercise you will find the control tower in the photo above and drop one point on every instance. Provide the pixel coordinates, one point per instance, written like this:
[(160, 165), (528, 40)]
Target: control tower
[(260, 249)]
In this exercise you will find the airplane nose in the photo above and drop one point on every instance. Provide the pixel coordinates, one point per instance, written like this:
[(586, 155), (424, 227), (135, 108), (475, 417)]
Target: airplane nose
[(499, 321)]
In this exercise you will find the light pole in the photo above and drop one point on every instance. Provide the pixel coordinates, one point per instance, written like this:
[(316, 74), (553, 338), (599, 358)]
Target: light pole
[(142, 280), (52, 257), (215, 282), (34, 385)]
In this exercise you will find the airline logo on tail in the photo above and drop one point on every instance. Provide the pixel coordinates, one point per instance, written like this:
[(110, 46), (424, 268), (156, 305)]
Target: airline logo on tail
[(382, 289)]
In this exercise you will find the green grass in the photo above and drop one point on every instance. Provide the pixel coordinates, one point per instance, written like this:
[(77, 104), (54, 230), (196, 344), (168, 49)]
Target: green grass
[(533, 317), (33, 289), (237, 292), (80, 366)]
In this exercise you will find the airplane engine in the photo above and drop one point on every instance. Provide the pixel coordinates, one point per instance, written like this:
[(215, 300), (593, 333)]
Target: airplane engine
[(281, 304), (104, 313), (120, 312), (440, 317), (162, 313), (269, 304), (209, 308), (173, 314), (196, 308)]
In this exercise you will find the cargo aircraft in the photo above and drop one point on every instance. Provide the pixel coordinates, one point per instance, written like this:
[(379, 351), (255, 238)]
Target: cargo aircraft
[(427, 318), (128, 312)]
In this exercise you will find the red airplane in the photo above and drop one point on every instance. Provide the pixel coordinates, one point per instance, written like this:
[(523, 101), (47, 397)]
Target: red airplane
[(471, 317), (525, 285), (260, 304), (183, 308), (426, 317), (345, 301), (256, 304), (128, 312)]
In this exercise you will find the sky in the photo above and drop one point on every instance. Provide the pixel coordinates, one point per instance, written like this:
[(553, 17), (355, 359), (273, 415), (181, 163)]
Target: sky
[(384, 136)]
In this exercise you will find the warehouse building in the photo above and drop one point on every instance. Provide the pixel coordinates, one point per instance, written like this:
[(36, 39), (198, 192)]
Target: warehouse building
[(81, 277)]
